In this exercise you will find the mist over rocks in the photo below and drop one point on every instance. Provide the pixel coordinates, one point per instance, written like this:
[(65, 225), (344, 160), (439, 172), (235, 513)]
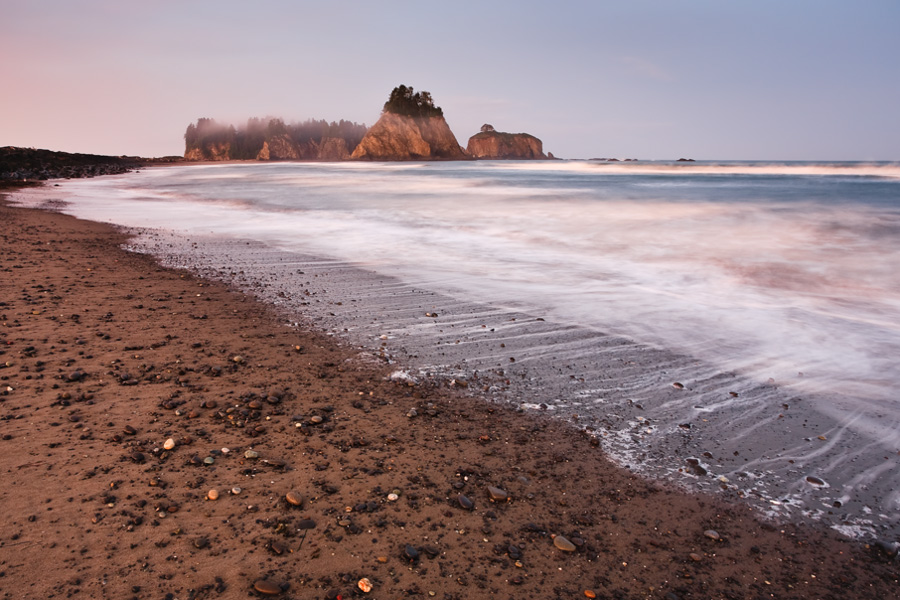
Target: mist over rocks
[(492, 144)]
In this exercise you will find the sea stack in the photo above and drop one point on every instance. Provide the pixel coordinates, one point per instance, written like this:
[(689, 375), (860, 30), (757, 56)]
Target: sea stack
[(411, 127), (492, 144)]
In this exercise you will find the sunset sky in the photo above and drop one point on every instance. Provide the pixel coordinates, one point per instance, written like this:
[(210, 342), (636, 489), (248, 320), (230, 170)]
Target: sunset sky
[(652, 79)]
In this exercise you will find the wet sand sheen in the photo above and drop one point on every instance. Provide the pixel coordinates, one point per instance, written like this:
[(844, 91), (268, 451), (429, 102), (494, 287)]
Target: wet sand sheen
[(107, 356)]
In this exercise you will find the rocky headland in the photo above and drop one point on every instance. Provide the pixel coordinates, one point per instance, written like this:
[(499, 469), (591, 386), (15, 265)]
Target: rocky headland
[(24, 164), (492, 144)]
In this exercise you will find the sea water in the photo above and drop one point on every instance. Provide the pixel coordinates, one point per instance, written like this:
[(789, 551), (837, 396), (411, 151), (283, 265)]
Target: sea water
[(743, 318)]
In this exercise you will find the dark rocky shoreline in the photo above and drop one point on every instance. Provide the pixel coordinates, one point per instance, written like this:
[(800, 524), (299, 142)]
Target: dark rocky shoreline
[(30, 164)]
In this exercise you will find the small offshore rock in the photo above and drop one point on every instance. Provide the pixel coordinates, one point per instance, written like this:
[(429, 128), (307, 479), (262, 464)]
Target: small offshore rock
[(563, 544), (365, 585), (496, 494), (266, 587), (712, 534), (294, 498), (212, 494), (169, 444)]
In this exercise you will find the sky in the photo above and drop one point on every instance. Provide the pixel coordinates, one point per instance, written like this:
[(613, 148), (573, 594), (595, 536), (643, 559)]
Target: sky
[(647, 79)]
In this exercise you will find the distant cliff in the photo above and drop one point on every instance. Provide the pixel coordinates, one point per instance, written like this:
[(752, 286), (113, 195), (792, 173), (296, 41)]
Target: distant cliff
[(411, 127), (499, 145), (271, 140)]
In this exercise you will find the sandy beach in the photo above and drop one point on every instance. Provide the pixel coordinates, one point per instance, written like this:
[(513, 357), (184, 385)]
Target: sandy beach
[(164, 436)]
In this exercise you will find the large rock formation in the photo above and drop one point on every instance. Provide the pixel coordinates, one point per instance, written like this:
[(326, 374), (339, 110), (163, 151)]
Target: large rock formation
[(401, 137), (272, 140), (490, 144)]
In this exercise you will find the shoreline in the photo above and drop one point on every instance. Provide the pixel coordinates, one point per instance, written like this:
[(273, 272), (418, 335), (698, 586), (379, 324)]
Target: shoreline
[(99, 339)]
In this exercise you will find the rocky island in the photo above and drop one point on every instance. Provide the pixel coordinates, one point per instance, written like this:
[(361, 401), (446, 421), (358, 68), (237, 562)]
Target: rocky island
[(492, 144), (411, 127)]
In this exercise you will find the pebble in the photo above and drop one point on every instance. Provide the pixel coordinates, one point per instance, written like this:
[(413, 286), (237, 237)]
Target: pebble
[(306, 524), (678, 386), (695, 557), (251, 454), (712, 534), (815, 480), (465, 502), (266, 587), (365, 585), (410, 553), (294, 498), (316, 419), (589, 594), (563, 544), (169, 444), (130, 430), (412, 413), (209, 460), (238, 359), (392, 497), (496, 494), (236, 490), (212, 495)]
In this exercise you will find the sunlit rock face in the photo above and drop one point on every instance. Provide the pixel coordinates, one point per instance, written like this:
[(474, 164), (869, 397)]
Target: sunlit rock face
[(498, 145), (400, 137)]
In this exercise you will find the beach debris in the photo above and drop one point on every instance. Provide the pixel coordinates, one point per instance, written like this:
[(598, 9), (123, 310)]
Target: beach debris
[(496, 494), (365, 585), (169, 444), (212, 494), (266, 587), (294, 498), (563, 544)]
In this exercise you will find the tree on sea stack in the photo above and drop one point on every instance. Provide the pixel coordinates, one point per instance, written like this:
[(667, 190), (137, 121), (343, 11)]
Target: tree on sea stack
[(410, 103)]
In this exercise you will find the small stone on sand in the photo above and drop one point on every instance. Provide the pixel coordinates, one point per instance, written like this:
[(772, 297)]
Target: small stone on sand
[(169, 444), (294, 498), (563, 544), (266, 587)]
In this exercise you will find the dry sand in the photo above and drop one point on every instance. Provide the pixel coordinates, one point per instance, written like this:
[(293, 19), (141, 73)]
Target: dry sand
[(106, 356)]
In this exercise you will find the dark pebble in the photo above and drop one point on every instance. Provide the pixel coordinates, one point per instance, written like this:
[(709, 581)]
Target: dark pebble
[(306, 524), (410, 553), (465, 502)]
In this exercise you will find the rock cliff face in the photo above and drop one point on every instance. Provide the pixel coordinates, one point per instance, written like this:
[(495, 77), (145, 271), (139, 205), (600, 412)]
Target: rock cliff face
[(220, 151), (499, 145), (400, 137), (279, 147)]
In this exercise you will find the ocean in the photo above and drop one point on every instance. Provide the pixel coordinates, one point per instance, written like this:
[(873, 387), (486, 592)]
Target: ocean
[(730, 327)]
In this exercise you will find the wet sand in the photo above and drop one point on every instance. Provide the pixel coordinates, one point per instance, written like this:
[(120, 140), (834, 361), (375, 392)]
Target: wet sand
[(107, 355)]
